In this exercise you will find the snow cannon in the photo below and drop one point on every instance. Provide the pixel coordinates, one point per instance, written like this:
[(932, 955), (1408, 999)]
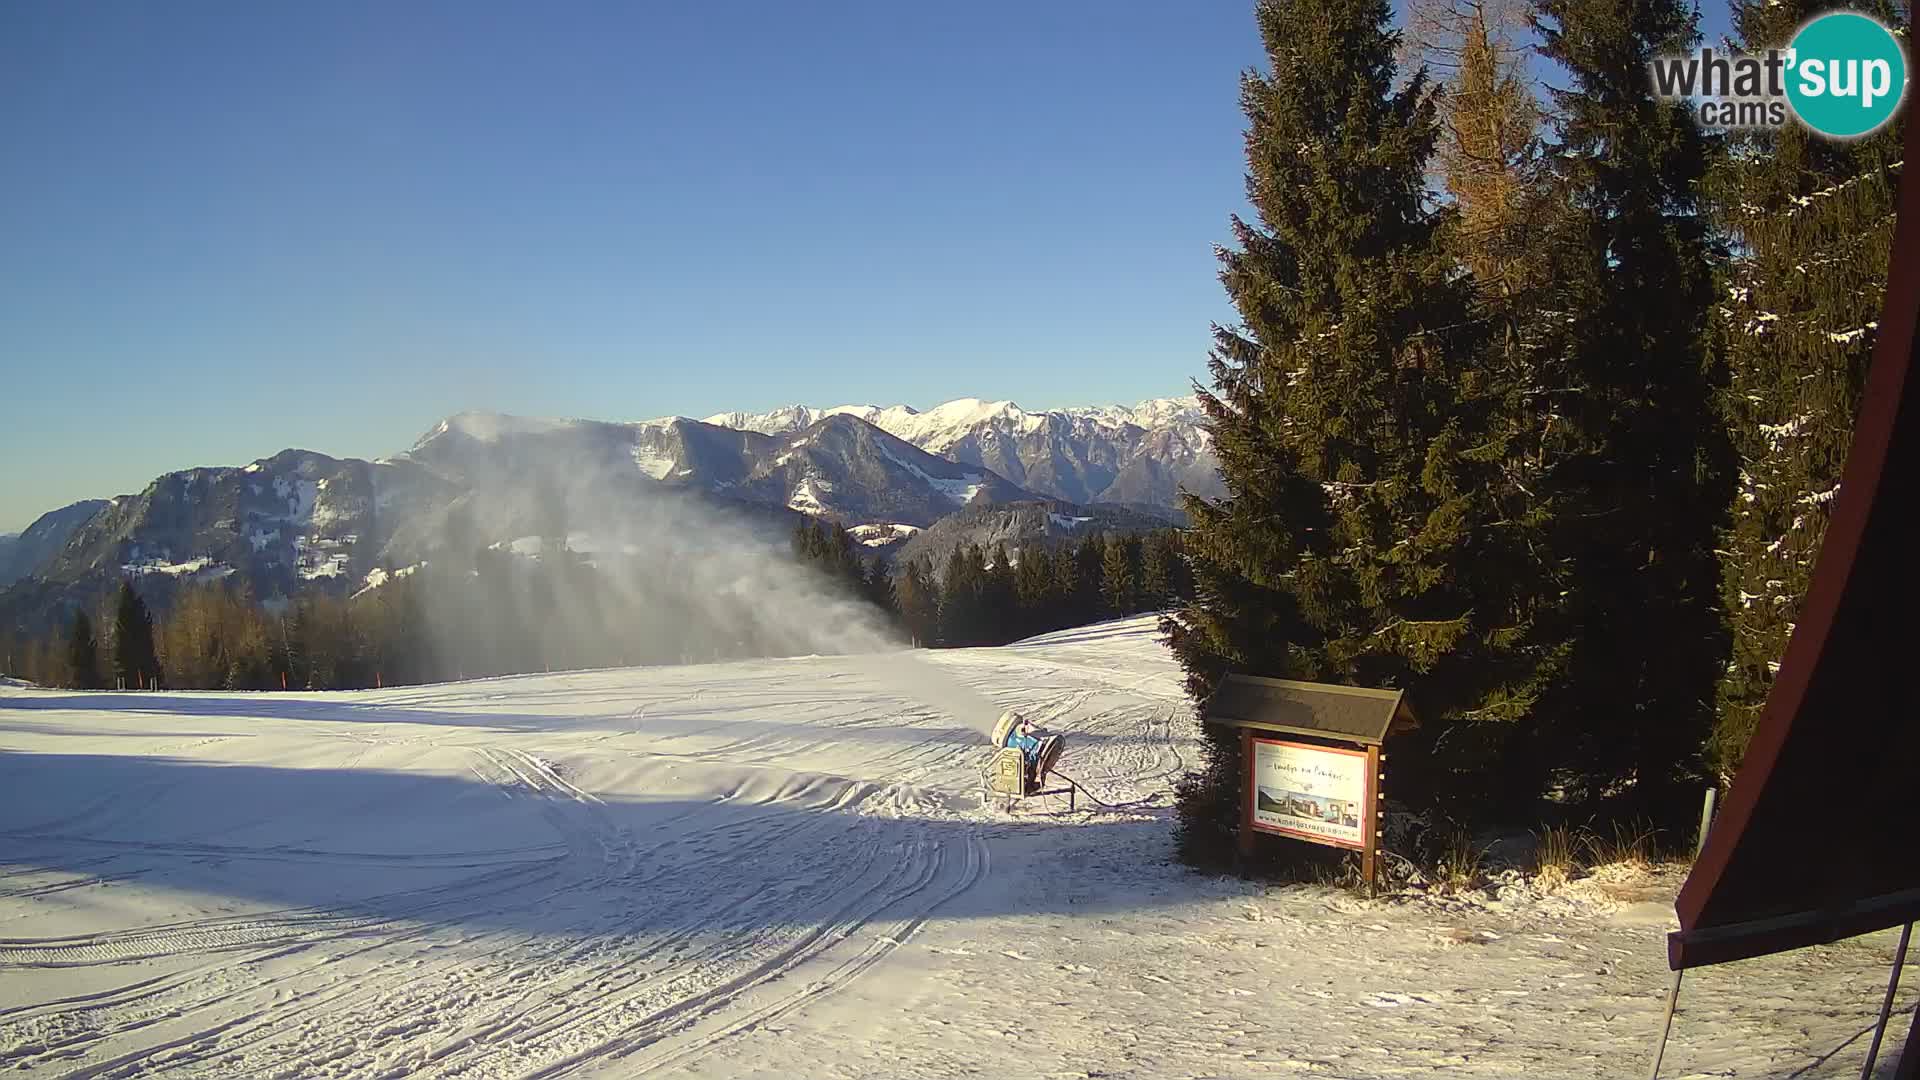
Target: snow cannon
[(1023, 758)]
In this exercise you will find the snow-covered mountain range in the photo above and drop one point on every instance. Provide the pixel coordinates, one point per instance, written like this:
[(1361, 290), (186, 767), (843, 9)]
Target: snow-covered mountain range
[(838, 466), (302, 520), (1141, 455)]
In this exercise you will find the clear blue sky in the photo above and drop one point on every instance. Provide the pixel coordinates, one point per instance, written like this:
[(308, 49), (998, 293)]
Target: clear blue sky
[(230, 228)]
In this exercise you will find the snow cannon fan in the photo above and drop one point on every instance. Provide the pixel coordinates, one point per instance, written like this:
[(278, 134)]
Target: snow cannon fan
[(1021, 761), (1004, 726)]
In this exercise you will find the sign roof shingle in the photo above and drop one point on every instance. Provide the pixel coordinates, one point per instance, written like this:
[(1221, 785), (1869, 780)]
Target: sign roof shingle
[(1352, 713)]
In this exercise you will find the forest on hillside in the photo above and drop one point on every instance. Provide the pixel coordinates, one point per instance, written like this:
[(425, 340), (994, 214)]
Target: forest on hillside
[(499, 613)]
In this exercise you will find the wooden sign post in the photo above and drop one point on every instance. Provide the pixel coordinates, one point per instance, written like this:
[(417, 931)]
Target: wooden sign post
[(1370, 856)]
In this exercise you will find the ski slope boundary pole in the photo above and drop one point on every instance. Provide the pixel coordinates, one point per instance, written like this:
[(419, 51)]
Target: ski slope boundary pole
[(1666, 1029), (1886, 1003), (1673, 995)]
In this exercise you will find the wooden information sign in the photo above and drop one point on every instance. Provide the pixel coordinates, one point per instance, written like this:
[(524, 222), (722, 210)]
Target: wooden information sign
[(1323, 783)]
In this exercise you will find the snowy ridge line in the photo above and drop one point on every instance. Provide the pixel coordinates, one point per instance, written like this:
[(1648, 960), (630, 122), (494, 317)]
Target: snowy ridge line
[(936, 429)]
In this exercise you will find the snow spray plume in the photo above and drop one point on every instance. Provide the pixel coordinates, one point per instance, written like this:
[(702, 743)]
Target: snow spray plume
[(627, 573), (921, 680)]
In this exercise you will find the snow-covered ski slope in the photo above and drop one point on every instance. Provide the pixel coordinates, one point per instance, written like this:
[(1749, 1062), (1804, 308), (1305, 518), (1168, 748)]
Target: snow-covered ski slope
[(777, 868)]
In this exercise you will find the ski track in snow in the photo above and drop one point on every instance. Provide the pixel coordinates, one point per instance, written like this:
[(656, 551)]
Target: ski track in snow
[(769, 868)]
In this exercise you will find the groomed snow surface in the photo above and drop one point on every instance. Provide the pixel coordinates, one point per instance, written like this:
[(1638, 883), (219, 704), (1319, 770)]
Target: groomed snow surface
[(775, 869)]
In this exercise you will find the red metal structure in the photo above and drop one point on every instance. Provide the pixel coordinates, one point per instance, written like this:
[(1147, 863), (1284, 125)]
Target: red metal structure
[(1816, 841)]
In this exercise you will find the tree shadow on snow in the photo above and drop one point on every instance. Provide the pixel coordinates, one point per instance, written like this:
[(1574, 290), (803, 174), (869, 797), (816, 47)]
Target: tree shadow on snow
[(669, 718), (508, 846)]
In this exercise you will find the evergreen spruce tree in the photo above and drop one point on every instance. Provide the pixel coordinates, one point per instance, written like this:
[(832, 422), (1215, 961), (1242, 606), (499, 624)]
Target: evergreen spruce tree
[(136, 663), (1364, 538), (1083, 587), (1637, 462), (1179, 574), (1156, 571), (844, 554), (1066, 582), (831, 549), (919, 601), (1117, 586), (1502, 198), (83, 654), (877, 587), (960, 597), (311, 662), (1812, 226), (999, 605), (1034, 590)]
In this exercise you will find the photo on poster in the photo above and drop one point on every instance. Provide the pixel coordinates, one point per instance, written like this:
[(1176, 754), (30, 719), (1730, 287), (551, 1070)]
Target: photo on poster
[(1312, 792)]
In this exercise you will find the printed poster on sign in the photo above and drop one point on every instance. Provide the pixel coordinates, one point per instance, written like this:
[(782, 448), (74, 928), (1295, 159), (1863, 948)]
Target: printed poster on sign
[(1312, 792)]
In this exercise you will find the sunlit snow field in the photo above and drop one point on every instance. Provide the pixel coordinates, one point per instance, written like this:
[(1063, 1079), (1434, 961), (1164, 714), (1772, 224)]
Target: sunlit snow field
[(773, 868)]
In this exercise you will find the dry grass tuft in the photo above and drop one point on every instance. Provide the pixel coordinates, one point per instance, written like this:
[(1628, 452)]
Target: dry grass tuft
[(1630, 845), (1459, 866), (1344, 874), (1556, 853)]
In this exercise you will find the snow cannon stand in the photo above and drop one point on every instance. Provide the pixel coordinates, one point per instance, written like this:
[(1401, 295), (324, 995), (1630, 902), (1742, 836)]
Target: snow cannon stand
[(1009, 776)]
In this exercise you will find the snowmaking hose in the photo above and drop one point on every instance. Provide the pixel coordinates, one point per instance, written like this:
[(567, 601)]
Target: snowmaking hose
[(1095, 799)]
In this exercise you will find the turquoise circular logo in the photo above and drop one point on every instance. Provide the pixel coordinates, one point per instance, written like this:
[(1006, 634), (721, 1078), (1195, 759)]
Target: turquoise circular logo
[(1847, 74)]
